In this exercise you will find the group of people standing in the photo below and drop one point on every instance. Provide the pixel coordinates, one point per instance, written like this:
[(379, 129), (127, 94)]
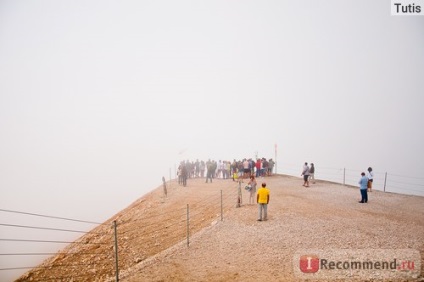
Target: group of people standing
[(224, 169), (248, 167), (262, 195), (365, 184)]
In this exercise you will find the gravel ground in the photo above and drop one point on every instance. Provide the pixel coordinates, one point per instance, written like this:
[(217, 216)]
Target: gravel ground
[(322, 221), (326, 218)]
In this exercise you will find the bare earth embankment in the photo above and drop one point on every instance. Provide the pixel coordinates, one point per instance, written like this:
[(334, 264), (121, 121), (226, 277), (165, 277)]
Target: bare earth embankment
[(326, 216)]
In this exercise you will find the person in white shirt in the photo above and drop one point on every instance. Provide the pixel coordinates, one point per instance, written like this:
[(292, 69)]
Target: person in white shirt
[(246, 169), (305, 174), (312, 173), (220, 170), (370, 176)]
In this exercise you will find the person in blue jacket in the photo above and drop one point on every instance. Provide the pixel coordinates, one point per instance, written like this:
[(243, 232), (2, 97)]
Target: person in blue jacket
[(363, 186)]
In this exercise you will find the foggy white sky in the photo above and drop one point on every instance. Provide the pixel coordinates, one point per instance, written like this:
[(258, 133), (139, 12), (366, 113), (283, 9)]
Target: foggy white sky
[(97, 98)]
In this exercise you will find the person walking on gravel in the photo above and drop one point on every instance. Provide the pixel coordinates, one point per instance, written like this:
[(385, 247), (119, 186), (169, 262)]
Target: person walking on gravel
[(305, 174), (363, 186), (252, 183), (263, 200)]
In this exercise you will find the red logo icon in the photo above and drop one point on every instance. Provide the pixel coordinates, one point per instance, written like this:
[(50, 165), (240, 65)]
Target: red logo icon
[(309, 263)]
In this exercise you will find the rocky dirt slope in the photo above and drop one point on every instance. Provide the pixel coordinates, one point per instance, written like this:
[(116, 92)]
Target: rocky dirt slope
[(152, 234)]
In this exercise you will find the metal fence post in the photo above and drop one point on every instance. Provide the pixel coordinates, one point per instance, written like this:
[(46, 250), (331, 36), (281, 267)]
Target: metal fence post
[(239, 196), (165, 191), (116, 252), (188, 226), (221, 207), (385, 180)]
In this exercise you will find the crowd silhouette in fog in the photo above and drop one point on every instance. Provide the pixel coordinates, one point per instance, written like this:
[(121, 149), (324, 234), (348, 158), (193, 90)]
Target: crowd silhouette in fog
[(222, 169)]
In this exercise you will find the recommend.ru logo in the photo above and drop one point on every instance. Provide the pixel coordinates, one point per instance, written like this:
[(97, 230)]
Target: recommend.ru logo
[(357, 264)]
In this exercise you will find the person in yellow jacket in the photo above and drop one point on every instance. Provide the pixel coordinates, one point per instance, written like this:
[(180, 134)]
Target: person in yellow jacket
[(262, 199)]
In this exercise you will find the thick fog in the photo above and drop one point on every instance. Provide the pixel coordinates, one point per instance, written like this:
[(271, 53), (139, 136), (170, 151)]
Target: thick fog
[(100, 99)]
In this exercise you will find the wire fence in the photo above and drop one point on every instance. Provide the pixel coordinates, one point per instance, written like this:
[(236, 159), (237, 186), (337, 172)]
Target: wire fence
[(383, 181), (114, 245), (37, 240), (100, 254)]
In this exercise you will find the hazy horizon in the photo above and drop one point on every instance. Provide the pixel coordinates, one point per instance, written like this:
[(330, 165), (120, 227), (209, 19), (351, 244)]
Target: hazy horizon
[(101, 99)]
